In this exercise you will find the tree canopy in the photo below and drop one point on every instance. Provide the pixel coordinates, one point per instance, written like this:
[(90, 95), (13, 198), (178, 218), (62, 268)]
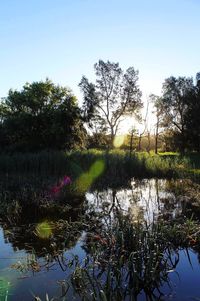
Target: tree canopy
[(114, 95), (40, 116), (180, 111)]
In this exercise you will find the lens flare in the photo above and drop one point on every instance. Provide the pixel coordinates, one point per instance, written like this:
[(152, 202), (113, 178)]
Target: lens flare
[(97, 169), (43, 230), (84, 182), (55, 190), (118, 141)]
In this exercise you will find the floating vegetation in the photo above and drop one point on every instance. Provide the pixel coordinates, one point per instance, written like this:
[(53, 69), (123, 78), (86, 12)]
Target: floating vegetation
[(115, 244), (137, 259)]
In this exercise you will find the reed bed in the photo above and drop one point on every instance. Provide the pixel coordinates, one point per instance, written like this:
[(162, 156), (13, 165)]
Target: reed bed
[(119, 164)]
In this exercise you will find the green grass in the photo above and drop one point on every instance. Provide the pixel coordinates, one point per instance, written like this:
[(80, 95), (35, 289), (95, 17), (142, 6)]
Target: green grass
[(119, 165)]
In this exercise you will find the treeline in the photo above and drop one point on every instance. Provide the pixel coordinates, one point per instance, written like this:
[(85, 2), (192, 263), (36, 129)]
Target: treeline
[(47, 116)]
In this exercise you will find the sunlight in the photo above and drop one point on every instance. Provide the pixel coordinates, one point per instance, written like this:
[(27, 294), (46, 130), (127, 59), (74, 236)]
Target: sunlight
[(119, 140), (137, 213)]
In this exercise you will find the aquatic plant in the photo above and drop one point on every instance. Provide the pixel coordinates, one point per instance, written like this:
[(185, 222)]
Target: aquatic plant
[(124, 258)]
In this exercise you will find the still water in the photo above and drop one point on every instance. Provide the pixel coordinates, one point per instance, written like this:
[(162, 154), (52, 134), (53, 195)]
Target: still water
[(25, 274)]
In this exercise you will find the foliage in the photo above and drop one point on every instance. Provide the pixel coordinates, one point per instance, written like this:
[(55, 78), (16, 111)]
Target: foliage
[(98, 140), (180, 105), (192, 120), (41, 116)]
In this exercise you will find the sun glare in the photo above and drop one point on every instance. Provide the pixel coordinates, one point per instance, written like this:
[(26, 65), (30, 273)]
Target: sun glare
[(119, 140)]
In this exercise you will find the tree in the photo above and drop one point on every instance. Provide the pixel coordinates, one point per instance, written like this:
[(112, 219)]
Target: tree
[(114, 95), (145, 128), (174, 101), (132, 132), (157, 102), (193, 119), (42, 116)]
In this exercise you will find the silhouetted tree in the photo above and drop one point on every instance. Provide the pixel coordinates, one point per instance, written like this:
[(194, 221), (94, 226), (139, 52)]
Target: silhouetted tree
[(41, 116), (159, 111), (145, 126), (174, 100), (193, 119), (114, 94)]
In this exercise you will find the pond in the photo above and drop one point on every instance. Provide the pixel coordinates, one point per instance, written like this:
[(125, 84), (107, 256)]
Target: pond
[(114, 244)]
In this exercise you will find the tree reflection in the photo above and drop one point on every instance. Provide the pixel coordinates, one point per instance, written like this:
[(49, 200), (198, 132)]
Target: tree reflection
[(147, 197), (27, 229), (132, 240), (137, 242)]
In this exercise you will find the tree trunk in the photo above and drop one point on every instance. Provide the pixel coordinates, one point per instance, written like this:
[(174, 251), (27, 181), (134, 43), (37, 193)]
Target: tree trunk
[(182, 146), (139, 143), (156, 139), (131, 143), (149, 142), (112, 136)]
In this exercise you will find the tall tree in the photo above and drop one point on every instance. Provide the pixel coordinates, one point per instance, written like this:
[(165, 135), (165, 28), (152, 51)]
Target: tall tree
[(176, 92), (193, 118), (42, 115), (114, 95)]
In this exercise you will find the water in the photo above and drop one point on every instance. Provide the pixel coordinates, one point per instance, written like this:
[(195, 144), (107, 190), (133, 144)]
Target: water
[(25, 273), (23, 285)]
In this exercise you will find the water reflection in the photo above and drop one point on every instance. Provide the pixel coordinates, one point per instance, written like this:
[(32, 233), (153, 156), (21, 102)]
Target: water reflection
[(129, 252), (148, 200)]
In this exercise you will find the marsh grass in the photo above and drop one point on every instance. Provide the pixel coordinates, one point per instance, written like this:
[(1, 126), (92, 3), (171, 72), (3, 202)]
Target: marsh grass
[(125, 257), (119, 165), (137, 259)]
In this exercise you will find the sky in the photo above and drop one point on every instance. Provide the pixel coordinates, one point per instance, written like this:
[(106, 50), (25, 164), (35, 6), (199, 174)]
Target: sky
[(63, 39)]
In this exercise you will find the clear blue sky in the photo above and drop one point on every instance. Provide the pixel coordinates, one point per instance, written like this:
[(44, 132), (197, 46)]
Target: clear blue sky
[(62, 39)]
